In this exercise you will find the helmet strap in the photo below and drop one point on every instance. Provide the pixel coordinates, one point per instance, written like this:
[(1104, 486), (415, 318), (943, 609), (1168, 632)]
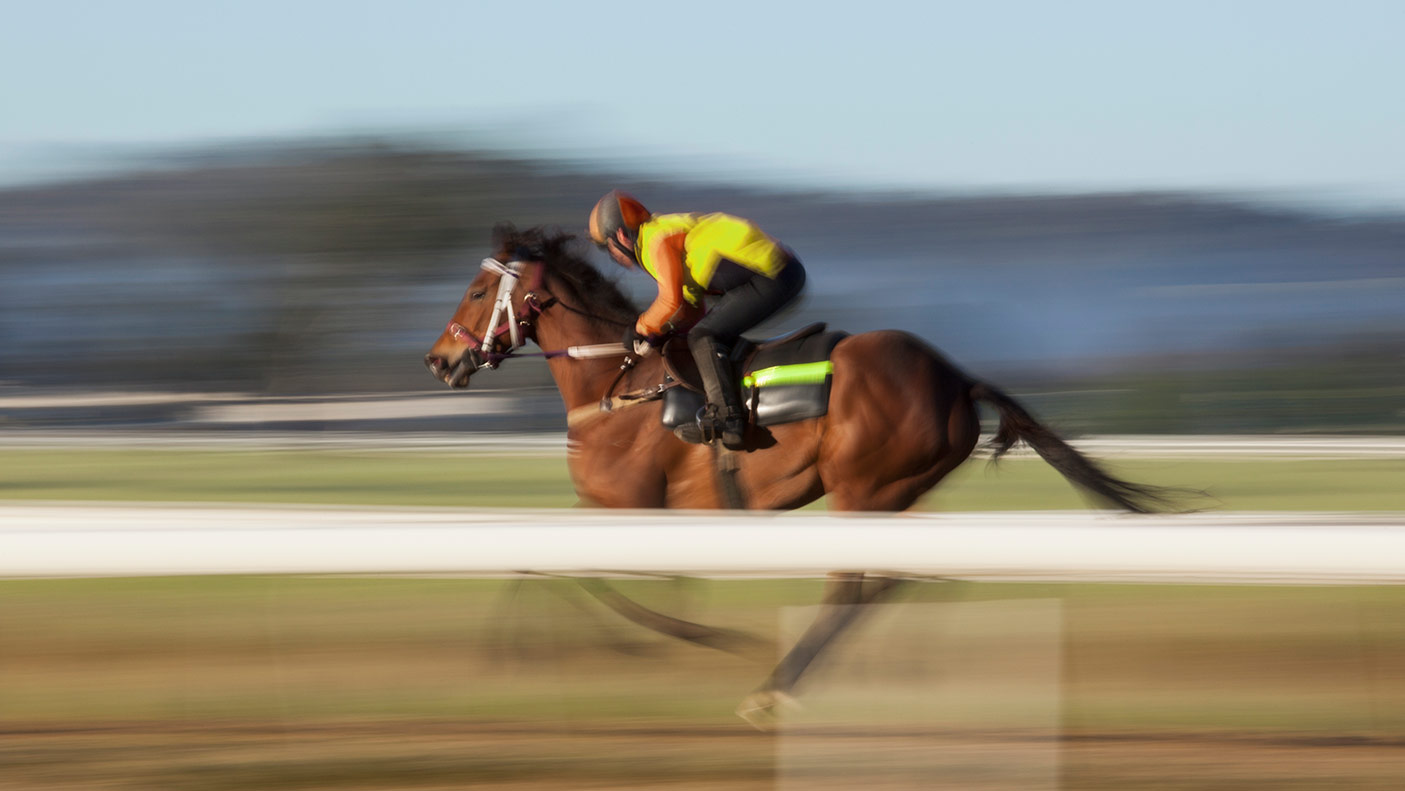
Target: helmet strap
[(629, 252)]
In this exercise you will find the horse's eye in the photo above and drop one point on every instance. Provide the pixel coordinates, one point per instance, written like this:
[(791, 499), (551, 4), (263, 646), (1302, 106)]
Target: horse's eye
[(477, 296)]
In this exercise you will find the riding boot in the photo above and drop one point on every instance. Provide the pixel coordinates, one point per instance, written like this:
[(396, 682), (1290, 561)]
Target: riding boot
[(720, 389)]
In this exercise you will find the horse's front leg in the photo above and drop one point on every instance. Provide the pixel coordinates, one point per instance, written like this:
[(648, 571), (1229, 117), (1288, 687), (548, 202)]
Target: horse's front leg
[(839, 610)]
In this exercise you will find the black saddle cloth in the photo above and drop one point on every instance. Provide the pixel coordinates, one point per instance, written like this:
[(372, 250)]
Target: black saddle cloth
[(766, 406)]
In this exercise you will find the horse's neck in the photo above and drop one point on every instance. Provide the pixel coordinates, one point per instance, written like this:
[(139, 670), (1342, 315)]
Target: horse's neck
[(581, 382)]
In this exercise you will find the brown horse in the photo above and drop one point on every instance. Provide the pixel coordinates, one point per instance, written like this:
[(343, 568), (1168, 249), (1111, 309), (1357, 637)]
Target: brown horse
[(900, 418)]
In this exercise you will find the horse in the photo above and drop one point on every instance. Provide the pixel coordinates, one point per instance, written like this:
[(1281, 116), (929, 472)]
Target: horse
[(900, 418)]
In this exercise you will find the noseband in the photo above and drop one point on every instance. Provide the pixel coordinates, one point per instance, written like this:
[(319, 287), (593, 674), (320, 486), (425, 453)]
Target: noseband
[(513, 326)]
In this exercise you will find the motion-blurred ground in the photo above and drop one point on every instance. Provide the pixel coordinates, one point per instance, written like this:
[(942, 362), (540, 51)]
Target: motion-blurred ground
[(295, 683)]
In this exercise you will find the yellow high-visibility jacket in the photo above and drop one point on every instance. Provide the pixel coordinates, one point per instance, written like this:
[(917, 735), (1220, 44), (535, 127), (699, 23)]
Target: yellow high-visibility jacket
[(695, 254)]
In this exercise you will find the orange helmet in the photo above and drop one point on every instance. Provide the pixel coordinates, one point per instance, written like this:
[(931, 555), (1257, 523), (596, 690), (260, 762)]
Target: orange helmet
[(611, 213)]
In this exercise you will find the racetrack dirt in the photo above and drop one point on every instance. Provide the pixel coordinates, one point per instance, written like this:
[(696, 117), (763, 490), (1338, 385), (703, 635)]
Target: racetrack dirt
[(350, 683), (433, 754)]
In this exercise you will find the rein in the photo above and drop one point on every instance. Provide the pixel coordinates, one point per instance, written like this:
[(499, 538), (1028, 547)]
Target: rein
[(508, 275)]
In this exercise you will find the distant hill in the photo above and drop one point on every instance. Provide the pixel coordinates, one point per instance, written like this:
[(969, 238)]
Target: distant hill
[(329, 266)]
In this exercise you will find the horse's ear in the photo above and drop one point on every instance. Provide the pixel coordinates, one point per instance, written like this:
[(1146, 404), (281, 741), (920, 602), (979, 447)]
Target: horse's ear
[(559, 244), (503, 233)]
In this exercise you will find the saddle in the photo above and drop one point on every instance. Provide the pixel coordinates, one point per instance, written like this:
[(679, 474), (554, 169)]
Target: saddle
[(783, 379)]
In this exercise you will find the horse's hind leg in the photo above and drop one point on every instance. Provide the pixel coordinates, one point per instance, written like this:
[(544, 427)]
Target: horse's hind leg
[(728, 640), (844, 592)]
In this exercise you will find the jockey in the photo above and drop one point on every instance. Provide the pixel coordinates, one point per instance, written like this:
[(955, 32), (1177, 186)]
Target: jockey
[(747, 275)]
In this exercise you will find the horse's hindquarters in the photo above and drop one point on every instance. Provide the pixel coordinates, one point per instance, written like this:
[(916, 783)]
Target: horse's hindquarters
[(900, 419)]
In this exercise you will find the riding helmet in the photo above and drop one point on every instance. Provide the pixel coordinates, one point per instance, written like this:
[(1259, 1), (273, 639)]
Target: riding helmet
[(615, 211)]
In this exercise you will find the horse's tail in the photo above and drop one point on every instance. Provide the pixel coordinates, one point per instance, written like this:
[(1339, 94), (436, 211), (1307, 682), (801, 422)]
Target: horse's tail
[(1017, 424)]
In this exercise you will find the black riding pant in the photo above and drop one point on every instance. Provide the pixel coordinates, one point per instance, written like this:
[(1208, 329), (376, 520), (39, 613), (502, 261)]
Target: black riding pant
[(749, 303)]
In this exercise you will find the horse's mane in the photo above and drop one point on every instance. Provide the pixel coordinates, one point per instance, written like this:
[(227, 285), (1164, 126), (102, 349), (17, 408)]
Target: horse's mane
[(590, 291)]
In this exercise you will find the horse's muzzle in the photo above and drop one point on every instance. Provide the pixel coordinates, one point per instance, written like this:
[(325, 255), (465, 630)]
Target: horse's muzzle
[(457, 375)]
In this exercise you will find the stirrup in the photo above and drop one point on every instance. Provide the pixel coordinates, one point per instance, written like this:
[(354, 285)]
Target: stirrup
[(689, 433), (709, 424)]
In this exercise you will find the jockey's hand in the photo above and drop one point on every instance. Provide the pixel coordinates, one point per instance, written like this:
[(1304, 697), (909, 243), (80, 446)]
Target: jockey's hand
[(631, 337), (641, 345)]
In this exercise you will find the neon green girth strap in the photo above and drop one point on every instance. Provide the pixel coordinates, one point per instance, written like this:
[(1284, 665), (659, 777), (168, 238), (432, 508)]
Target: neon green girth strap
[(798, 374)]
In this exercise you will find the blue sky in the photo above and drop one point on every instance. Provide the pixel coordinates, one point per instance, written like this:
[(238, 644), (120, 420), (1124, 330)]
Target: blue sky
[(1255, 96)]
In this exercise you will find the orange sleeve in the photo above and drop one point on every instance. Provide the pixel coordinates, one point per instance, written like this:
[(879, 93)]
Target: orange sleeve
[(670, 309)]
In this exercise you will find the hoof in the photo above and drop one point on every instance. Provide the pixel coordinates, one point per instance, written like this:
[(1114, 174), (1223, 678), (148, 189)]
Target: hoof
[(762, 708)]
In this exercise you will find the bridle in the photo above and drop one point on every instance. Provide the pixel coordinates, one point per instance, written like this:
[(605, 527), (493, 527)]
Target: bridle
[(518, 329), (483, 353), (486, 346)]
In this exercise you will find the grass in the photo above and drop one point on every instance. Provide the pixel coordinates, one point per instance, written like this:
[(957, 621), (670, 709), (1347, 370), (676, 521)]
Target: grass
[(1135, 657), (1240, 485), (499, 480), (293, 476), (333, 682)]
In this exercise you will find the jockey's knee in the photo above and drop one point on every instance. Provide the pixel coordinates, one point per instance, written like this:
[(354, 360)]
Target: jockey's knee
[(702, 332)]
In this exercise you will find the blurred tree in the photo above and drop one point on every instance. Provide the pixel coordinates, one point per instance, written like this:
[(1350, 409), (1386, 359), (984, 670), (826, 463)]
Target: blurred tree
[(341, 254)]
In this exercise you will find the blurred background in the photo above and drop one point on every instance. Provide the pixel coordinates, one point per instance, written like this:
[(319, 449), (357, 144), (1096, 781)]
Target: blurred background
[(229, 233), (1151, 221)]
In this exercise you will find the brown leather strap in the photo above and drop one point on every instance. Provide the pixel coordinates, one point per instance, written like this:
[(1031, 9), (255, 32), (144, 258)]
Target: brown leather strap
[(733, 498)]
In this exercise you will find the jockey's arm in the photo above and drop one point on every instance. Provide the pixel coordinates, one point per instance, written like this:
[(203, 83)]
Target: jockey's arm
[(670, 310)]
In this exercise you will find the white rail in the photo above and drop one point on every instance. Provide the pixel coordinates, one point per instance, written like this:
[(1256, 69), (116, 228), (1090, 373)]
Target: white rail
[(138, 540)]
